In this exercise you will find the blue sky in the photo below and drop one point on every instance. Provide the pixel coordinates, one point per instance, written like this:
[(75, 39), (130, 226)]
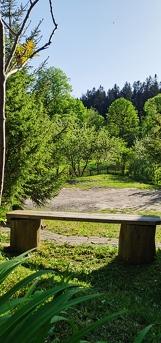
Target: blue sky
[(104, 41)]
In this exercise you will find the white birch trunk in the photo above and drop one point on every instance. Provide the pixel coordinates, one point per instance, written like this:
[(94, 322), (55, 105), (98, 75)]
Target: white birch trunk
[(2, 108)]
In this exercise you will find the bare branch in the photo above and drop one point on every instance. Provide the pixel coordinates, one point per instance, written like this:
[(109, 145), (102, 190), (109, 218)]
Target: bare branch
[(18, 35), (13, 69), (9, 28), (42, 66), (52, 14), (53, 19), (36, 31), (47, 44), (27, 27)]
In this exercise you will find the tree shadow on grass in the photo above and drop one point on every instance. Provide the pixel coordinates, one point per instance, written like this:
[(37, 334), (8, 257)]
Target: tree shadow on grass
[(107, 275), (143, 281), (135, 288), (140, 279)]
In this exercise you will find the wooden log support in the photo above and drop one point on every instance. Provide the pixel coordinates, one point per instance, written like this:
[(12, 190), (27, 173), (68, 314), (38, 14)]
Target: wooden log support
[(25, 234), (137, 243)]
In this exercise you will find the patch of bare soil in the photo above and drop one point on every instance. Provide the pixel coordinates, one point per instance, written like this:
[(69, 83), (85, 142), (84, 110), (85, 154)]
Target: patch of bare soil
[(96, 199)]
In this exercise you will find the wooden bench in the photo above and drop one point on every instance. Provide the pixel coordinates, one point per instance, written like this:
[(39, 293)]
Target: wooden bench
[(136, 240)]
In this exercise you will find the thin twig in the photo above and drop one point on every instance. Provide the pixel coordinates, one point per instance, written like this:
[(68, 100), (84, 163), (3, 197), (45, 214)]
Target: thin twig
[(11, 71), (9, 28), (12, 53)]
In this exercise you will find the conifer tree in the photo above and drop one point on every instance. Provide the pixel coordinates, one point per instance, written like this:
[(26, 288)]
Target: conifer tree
[(18, 46)]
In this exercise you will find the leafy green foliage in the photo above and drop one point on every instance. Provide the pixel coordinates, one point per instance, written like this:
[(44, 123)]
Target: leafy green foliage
[(30, 168), (140, 162), (123, 120), (146, 156), (129, 293), (52, 86), (142, 334), (32, 317), (138, 93), (79, 147), (152, 121)]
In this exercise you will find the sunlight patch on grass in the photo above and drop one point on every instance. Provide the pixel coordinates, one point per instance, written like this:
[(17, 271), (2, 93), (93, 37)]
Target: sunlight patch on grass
[(107, 180), (135, 289), (83, 229)]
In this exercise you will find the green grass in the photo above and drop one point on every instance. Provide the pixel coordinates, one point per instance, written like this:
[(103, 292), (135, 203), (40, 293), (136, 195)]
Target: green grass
[(107, 180), (136, 289), (82, 229), (97, 229)]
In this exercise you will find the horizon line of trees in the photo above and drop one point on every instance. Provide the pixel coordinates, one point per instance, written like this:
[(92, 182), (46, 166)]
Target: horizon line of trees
[(138, 93)]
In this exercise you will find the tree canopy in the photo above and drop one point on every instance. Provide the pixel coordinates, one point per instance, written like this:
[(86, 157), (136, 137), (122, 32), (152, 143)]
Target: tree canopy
[(139, 92), (123, 120)]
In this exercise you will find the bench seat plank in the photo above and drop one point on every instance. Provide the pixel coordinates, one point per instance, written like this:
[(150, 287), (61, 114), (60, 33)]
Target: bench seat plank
[(85, 217)]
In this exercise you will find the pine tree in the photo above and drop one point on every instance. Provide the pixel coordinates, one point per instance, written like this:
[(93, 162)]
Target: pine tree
[(16, 50)]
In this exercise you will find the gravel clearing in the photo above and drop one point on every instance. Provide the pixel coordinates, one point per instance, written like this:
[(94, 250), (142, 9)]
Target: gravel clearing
[(98, 198)]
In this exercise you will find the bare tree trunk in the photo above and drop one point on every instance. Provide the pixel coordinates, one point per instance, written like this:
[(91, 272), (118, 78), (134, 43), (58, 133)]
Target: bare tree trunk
[(2, 108)]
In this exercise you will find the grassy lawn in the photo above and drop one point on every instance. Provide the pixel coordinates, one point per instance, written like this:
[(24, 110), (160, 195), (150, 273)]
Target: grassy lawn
[(96, 229), (82, 229), (107, 180), (135, 289)]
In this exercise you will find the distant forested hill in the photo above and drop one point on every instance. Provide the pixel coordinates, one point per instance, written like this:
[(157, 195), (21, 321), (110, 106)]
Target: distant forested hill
[(138, 93)]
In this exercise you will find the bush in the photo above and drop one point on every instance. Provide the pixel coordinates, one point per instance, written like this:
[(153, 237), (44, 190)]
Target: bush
[(157, 176)]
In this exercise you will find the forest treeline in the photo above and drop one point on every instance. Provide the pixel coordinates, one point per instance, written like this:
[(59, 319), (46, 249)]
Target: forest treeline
[(138, 93), (51, 136)]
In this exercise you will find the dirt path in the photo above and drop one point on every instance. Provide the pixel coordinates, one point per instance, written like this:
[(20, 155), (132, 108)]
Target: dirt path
[(71, 240), (77, 240), (96, 199)]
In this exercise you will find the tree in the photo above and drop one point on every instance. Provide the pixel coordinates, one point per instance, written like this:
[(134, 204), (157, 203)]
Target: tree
[(79, 146), (152, 119), (17, 48), (53, 86), (33, 145), (145, 161), (93, 119), (96, 99), (141, 166), (123, 120), (138, 93), (151, 132), (126, 91), (102, 148), (142, 91)]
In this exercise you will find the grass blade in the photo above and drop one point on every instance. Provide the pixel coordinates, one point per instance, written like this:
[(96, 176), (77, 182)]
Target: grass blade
[(140, 337), (76, 337)]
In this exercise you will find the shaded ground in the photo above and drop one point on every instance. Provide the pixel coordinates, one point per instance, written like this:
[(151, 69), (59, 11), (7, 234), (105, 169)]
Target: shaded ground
[(97, 199)]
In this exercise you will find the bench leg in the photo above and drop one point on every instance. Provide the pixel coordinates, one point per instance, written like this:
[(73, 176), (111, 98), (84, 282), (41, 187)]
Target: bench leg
[(137, 243), (25, 234)]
